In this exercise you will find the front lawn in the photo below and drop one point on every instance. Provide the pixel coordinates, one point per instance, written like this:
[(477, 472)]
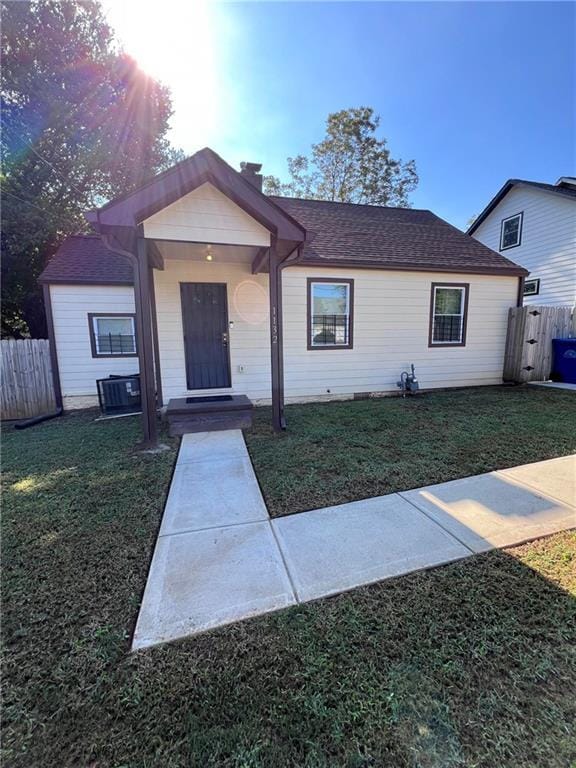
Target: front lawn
[(342, 451), (472, 665)]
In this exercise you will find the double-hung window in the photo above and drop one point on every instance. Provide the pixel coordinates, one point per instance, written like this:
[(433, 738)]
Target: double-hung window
[(511, 232), (112, 335), (449, 304), (330, 311)]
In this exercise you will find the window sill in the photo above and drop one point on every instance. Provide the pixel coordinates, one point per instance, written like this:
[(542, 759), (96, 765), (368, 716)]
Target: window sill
[(107, 356), (323, 347)]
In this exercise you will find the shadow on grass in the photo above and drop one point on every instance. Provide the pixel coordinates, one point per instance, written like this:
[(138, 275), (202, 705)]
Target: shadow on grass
[(471, 664), (338, 452)]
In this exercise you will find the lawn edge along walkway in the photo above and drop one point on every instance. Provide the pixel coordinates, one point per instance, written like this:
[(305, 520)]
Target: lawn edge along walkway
[(219, 558)]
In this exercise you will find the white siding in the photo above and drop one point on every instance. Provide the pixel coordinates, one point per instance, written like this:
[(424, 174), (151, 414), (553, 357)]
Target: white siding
[(548, 247), (391, 324), (78, 369), (205, 215)]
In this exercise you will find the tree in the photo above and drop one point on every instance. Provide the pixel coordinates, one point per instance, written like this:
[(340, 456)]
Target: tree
[(81, 124), (350, 165)]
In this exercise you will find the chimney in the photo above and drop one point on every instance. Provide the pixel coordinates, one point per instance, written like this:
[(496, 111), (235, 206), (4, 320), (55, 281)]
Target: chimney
[(251, 172)]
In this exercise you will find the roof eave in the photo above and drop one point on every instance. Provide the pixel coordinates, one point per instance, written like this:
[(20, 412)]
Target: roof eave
[(512, 271), (80, 281), (502, 192)]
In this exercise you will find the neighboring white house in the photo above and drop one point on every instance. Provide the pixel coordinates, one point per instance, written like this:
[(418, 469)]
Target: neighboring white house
[(359, 293), (535, 224)]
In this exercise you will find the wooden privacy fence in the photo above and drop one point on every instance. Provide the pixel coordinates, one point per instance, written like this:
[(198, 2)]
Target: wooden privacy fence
[(27, 387), (528, 355)]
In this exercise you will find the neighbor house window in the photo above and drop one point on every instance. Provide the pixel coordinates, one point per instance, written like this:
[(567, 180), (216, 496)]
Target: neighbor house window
[(511, 231), (449, 305), (112, 335), (532, 287), (330, 309)]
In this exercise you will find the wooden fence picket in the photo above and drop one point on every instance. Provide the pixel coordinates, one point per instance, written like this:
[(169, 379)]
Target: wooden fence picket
[(528, 355), (26, 378)]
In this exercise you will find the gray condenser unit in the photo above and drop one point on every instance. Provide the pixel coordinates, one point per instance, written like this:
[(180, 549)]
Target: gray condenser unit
[(119, 394)]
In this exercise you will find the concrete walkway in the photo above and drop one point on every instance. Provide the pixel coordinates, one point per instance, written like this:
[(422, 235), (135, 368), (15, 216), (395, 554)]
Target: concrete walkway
[(219, 558), (553, 385)]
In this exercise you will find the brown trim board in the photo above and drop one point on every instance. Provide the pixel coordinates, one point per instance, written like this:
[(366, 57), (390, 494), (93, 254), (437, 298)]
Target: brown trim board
[(462, 343), (520, 295), (155, 339), (276, 346), (52, 342), (92, 315), (391, 267), (350, 283), (144, 342)]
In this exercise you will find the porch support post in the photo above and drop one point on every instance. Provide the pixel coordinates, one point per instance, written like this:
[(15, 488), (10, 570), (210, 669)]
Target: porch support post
[(142, 297), (276, 347), (156, 343)]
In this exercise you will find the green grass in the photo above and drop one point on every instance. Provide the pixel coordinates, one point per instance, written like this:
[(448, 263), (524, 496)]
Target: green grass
[(472, 665), (337, 452)]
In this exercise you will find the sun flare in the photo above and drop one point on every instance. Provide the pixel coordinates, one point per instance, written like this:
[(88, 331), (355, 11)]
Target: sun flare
[(176, 42)]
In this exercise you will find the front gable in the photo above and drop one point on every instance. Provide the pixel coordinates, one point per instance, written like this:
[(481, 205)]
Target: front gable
[(206, 215), (125, 213)]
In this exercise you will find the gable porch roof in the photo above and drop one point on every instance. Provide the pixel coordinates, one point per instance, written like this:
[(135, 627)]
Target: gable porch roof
[(131, 209)]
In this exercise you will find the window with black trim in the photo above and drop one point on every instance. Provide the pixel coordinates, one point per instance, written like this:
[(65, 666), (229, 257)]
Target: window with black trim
[(448, 314), (330, 313), (532, 287), (511, 231), (112, 335)]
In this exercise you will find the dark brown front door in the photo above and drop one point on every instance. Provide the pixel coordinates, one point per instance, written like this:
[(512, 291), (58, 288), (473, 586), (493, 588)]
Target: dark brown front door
[(205, 323)]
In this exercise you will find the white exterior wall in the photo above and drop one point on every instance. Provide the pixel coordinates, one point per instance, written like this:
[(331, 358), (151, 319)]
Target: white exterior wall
[(391, 325), (205, 215), (391, 319), (548, 243), (78, 369), (249, 337)]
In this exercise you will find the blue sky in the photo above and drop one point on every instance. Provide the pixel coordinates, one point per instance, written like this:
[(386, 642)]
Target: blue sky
[(476, 93)]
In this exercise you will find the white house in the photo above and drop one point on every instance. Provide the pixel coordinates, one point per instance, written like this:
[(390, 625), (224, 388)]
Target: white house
[(535, 224), (210, 288)]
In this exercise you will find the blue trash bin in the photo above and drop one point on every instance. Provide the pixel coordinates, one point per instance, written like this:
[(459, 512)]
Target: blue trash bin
[(564, 360)]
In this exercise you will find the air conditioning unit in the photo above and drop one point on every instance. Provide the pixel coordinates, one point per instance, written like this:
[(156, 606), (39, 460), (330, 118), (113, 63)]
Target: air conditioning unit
[(119, 394)]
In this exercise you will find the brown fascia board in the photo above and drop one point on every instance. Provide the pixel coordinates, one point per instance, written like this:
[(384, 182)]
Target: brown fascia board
[(205, 166), (403, 267), (81, 281)]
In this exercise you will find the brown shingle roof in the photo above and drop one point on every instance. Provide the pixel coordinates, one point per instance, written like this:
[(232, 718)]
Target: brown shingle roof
[(403, 238), (85, 259), (339, 234)]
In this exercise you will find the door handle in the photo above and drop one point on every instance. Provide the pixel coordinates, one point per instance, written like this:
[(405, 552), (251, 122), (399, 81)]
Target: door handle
[(225, 338)]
